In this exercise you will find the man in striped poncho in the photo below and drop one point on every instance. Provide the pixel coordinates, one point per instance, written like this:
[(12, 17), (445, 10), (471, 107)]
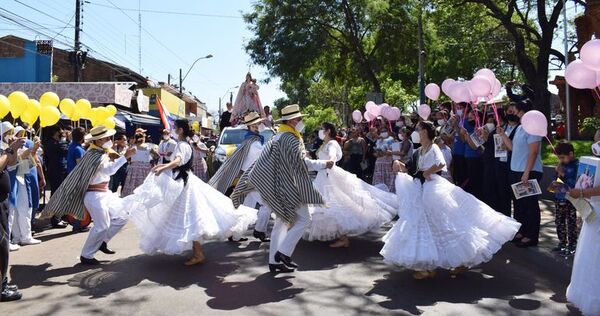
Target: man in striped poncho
[(281, 177)]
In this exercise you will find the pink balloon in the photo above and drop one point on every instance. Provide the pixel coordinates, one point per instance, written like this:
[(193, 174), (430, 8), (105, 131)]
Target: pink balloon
[(387, 113), (373, 109), (432, 91), (535, 123), (446, 86), (480, 86), (396, 114), (486, 73), (368, 116), (496, 87), (580, 76), (424, 111), (590, 54), (460, 92), (357, 116)]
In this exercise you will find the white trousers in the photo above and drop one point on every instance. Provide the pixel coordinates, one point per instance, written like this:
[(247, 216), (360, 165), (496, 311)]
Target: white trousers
[(19, 218), (284, 239), (264, 212), (105, 226)]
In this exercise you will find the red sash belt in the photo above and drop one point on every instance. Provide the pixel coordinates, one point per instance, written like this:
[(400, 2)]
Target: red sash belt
[(99, 187)]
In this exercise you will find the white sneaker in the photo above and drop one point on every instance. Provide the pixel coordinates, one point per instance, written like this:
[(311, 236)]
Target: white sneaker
[(31, 241), (13, 247)]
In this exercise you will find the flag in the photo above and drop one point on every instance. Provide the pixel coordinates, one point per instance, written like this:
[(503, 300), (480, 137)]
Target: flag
[(165, 116)]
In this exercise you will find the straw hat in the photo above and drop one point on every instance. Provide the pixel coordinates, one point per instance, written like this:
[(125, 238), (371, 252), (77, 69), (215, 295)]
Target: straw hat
[(290, 112), (99, 132), (252, 118)]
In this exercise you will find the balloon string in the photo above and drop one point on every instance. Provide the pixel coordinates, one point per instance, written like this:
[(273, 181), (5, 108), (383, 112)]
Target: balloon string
[(596, 92), (496, 113), (474, 108), (551, 145)]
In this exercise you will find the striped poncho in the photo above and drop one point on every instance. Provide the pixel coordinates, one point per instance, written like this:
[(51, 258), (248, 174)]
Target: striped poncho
[(281, 178), (68, 199), (224, 177)]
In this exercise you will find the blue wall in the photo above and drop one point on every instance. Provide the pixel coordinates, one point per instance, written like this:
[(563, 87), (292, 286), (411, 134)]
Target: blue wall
[(32, 67)]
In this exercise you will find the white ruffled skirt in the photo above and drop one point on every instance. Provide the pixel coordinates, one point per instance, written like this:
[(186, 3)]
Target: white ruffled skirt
[(584, 290), (442, 226), (170, 216), (352, 206)]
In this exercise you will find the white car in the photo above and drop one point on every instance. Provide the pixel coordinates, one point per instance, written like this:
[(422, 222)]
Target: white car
[(232, 137)]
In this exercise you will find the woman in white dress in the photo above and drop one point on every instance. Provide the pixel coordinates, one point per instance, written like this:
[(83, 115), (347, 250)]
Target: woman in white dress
[(584, 290), (139, 165), (176, 211), (440, 225), (353, 207)]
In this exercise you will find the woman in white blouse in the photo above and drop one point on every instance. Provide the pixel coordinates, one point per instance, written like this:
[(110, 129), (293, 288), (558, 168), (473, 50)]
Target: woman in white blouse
[(175, 211), (440, 225), (139, 166)]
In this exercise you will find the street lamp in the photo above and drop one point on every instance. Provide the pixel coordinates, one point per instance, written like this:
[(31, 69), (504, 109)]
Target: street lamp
[(182, 78), (228, 90)]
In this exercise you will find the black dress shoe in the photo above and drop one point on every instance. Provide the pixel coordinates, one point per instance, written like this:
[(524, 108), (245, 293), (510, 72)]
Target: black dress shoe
[(104, 248), (260, 235), (9, 295), (279, 257), (91, 262), (526, 244), (279, 268), (239, 240), (81, 229)]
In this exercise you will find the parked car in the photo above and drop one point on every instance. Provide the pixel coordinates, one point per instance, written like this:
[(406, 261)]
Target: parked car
[(231, 138)]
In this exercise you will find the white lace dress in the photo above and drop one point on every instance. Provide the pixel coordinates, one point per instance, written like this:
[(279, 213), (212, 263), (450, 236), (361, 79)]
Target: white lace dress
[(441, 225), (584, 290), (352, 206), (170, 215)]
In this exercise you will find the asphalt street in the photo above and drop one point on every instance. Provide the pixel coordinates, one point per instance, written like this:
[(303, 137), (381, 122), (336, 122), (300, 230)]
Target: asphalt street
[(235, 280)]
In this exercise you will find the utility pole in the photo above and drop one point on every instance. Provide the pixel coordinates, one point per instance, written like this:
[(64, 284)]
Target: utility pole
[(77, 47), (220, 109), (421, 57), (180, 81), (231, 98), (169, 79)]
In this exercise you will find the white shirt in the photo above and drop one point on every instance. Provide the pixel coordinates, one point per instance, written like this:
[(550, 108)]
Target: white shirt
[(253, 154), (447, 155), (107, 168), (142, 154), (166, 148), (431, 158), (330, 151), (182, 150), (202, 150)]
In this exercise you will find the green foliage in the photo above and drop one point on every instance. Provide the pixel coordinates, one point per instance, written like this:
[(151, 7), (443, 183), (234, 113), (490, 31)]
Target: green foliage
[(316, 115), (590, 123)]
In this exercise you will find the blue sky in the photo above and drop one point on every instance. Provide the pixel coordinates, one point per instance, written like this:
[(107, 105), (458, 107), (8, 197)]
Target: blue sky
[(175, 40)]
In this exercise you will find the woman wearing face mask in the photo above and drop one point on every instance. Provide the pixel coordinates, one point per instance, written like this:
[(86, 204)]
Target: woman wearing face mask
[(383, 173), (139, 165), (583, 291), (353, 207), (473, 162), (488, 159), (440, 225), (199, 166), (175, 211), (355, 152), (459, 167), (507, 129)]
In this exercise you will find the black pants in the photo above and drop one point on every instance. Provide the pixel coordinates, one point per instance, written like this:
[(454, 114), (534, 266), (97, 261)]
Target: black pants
[(565, 218), (4, 241), (527, 209), (55, 180), (489, 184), (459, 169), (118, 179), (503, 191), (474, 177), (353, 165)]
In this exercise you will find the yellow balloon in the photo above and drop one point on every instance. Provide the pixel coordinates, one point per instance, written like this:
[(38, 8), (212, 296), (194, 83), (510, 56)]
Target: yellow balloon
[(102, 114), (83, 106), (18, 103), (75, 117), (92, 114), (49, 116), (196, 126), (49, 98), (31, 113), (67, 107), (109, 123), (4, 106), (112, 110)]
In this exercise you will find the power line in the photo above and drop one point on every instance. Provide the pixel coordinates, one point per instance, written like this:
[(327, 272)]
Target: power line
[(37, 10), (9, 18), (169, 12)]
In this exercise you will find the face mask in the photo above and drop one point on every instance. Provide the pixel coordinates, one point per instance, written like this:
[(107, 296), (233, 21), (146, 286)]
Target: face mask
[(299, 127), (400, 137), (63, 139), (166, 137), (174, 134), (384, 135), (261, 128), (321, 134), (415, 137), (107, 145), (490, 127), (596, 149), (459, 112), (441, 122), (196, 139), (400, 124), (512, 117)]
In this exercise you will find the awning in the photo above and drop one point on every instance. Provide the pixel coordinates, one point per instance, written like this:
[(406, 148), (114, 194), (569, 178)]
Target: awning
[(138, 119)]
